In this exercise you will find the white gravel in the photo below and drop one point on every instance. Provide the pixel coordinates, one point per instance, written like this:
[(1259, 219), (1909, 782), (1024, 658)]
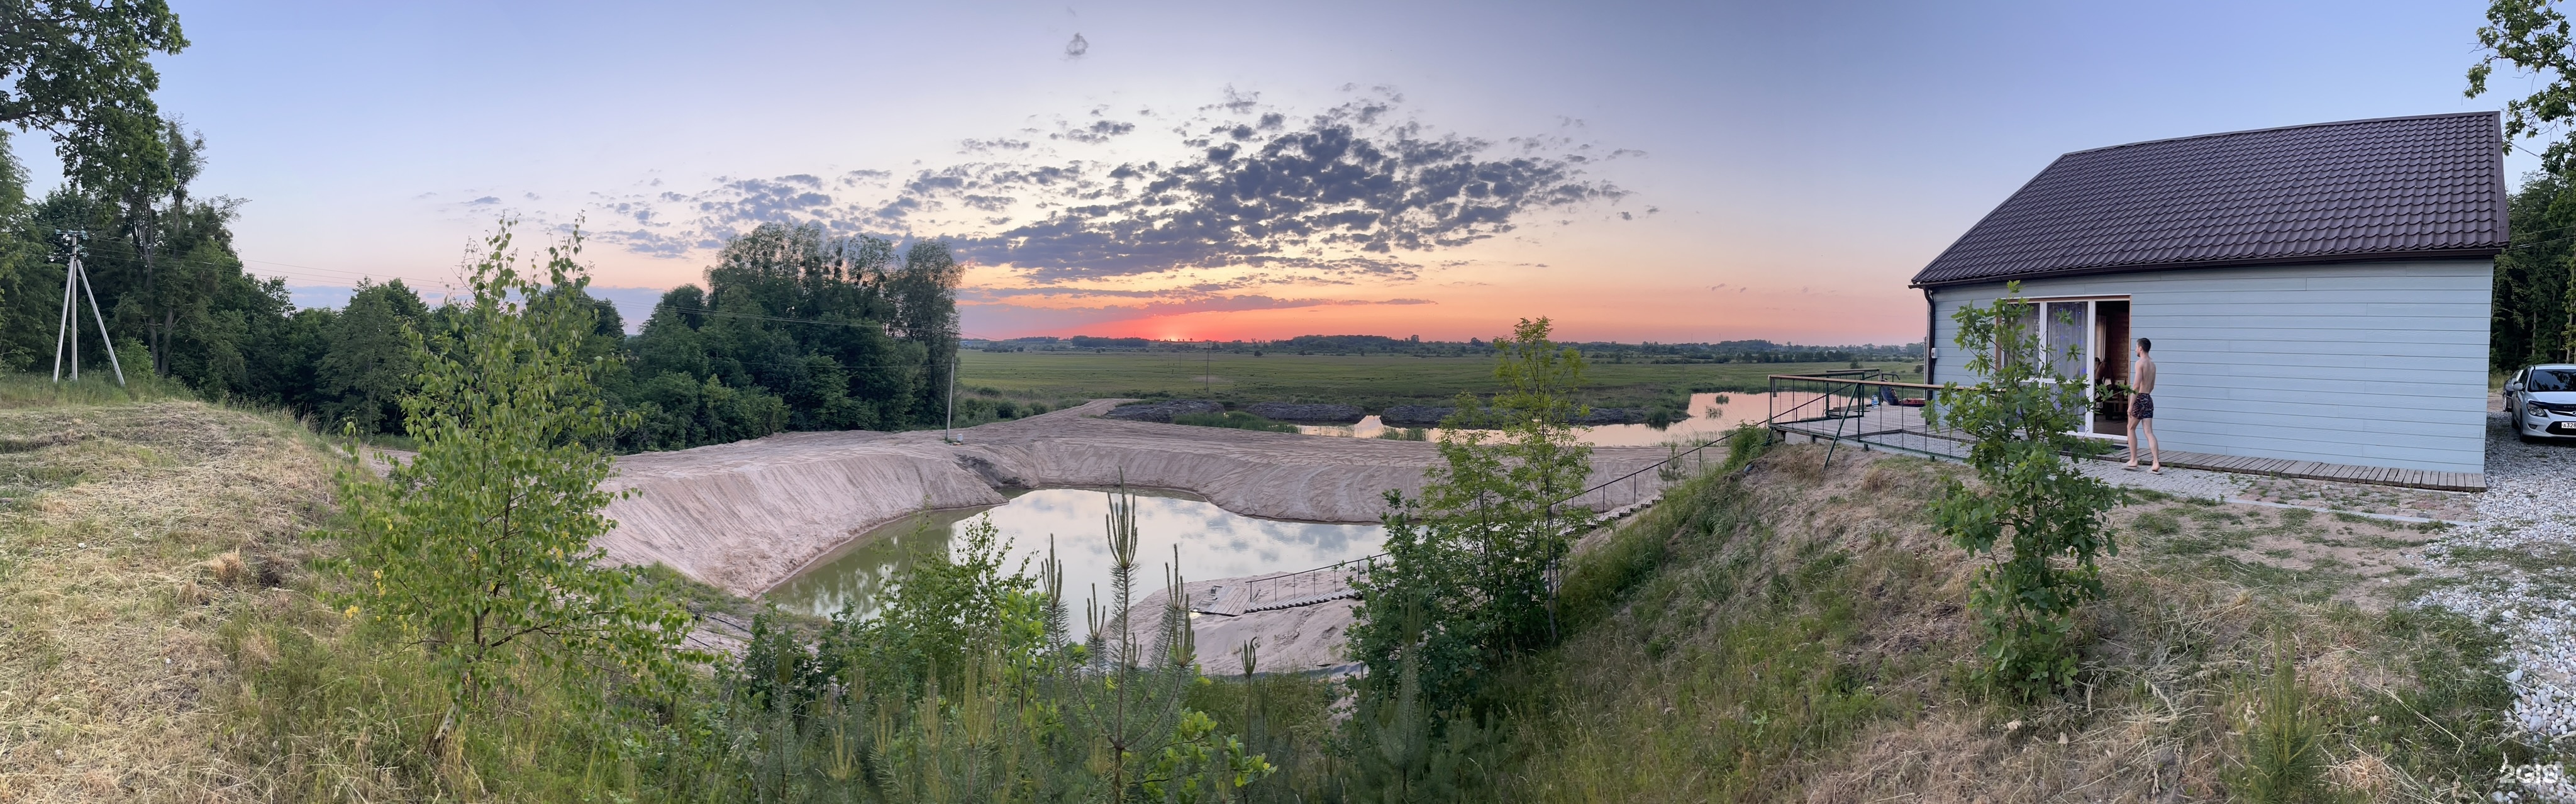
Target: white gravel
[(2529, 507)]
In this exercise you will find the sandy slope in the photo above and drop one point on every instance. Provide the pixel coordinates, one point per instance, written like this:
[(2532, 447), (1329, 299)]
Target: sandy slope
[(747, 515)]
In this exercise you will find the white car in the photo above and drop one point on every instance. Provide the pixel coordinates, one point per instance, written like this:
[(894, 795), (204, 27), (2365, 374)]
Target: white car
[(2541, 400)]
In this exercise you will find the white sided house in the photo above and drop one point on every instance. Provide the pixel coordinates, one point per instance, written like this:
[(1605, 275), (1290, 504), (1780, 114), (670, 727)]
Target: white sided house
[(2315, 293)]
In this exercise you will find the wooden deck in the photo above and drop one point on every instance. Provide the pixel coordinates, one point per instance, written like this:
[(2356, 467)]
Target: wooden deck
[(1903, 428), (2312, 470)]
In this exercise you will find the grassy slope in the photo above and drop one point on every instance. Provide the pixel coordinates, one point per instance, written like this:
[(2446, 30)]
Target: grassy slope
[(1374, 381), (131, 532), (1798, 636)]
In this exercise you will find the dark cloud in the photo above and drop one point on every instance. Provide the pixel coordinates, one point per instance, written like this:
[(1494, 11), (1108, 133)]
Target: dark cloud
[(1099, 131), (1340, 194), (1355, 191), (984, 147)]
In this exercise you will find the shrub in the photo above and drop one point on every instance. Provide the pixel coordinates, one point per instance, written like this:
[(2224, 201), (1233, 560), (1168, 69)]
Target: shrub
[(2039, 521), (479, 549)]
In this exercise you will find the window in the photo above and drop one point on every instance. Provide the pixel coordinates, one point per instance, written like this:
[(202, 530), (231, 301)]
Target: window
[(2544, 380)]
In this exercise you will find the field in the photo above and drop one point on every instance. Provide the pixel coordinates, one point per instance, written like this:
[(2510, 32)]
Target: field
[(1372, 382)]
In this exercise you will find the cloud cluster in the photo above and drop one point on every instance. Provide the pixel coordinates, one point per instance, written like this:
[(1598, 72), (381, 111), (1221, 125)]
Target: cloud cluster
[(1355, 191)]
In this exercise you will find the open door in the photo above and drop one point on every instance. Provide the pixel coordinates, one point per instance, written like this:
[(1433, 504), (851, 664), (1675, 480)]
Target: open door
[(2111, 346), (2087, 341)]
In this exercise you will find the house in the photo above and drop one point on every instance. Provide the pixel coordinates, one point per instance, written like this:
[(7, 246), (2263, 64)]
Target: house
[(2314, 293)]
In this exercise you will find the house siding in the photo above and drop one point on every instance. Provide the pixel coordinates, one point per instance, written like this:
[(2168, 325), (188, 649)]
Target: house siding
[(2367, 363)]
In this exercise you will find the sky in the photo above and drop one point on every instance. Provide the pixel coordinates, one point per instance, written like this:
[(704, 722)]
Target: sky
[(1667, 172)]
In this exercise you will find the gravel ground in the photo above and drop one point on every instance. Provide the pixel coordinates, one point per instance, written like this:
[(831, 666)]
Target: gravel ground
[(2518, 555)]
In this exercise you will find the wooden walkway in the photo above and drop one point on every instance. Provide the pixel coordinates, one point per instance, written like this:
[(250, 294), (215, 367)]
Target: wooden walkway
[(1903, 428), (2313, 470)]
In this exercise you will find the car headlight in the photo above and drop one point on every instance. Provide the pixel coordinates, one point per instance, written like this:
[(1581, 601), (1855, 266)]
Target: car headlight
[(2534, 410)]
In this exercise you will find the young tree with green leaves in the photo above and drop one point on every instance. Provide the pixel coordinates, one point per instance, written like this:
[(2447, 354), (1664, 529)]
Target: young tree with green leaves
[(1479, 549), (479, 548), (2038, 520)]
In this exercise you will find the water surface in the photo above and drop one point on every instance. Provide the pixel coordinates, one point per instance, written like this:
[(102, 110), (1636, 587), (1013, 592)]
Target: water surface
[(1711, 415), (1213, 543)]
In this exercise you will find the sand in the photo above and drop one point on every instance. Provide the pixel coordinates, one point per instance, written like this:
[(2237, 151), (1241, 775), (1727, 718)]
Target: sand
[(746, 516)]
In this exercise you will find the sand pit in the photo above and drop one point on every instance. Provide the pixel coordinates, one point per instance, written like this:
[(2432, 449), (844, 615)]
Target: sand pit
[(747, 515)]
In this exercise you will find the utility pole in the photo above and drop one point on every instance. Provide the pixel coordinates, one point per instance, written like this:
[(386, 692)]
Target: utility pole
[(67, 330), (952, 401), (1207, 367)]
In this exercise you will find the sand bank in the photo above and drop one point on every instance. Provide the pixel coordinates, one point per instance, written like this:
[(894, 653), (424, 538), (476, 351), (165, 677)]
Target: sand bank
[(747, 515)]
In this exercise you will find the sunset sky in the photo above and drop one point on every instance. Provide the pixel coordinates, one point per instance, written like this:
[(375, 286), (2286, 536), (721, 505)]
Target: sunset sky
[(1670, 172)]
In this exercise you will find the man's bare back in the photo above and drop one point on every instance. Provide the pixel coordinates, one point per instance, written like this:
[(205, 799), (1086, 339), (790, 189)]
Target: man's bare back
[(2142, 408)]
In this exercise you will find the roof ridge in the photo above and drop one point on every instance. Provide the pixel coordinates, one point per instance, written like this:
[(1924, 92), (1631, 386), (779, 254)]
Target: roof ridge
[(2423, 186), (2488, 113)]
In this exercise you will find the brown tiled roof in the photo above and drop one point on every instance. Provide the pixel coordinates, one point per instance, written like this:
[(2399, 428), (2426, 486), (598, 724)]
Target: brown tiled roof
[(2393, 188)]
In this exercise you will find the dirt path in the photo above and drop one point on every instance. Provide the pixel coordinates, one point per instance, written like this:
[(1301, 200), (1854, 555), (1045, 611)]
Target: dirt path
[(747, 515)]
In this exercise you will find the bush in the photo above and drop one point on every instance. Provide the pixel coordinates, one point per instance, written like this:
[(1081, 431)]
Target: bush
[(2033, 501)]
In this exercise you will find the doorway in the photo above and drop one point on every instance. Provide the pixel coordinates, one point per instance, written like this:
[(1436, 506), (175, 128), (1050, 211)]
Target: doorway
[(2087, 341)]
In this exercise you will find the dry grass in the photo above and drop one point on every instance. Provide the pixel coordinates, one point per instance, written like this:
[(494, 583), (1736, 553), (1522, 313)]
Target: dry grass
[(129, 533), (1811, 647)]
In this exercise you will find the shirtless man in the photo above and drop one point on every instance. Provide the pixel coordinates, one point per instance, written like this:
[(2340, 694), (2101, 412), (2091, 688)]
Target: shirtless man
[(2142, 409)]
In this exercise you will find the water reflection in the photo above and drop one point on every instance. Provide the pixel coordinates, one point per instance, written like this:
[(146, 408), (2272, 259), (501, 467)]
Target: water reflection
[(1213, 543), (1711, 415)]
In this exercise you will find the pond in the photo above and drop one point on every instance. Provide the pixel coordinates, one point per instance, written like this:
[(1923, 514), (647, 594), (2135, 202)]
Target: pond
[(1711, 415), (1213, 542)]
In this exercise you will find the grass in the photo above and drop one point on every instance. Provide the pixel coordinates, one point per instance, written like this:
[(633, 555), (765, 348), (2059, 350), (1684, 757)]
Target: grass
[(1797, 635), (1373, 382), (136, 530), (1786, 633)]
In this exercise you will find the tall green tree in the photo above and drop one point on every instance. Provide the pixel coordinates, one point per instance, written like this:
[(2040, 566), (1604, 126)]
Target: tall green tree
[(80, 68), (369, 364), (2534, 314), (2535, 299), (827, 333), (480, 548)]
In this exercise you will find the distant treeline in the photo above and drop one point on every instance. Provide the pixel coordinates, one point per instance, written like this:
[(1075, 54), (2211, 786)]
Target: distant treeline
[(793, 330), (2535, 279), (1752, 351)]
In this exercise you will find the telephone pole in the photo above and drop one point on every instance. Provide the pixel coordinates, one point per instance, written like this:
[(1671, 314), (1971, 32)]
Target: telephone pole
[(67, 331)]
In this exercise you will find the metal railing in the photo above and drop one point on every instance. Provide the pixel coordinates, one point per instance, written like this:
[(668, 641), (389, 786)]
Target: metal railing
[(1304, 587), (1862, 409), (1611, 498)]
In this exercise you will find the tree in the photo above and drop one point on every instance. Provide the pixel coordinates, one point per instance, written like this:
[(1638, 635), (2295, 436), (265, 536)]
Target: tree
[(2535, 280), (82, 69), (370, 363), (2030, 497), (479, 549), (834, 330), (1478, 551), (2535, 301)]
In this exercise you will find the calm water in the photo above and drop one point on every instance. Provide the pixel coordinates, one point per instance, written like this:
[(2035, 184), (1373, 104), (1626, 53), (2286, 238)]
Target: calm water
[(1213, 542), (1711, 416)]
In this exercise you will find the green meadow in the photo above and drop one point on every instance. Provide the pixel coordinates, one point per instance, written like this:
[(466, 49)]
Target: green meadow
[(1372, 381)]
